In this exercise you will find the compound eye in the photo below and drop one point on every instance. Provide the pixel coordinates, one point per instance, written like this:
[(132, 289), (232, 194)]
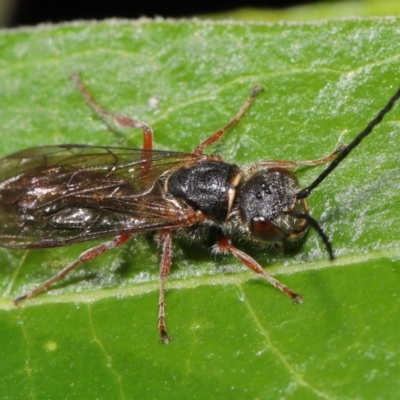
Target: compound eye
[(265, 230)]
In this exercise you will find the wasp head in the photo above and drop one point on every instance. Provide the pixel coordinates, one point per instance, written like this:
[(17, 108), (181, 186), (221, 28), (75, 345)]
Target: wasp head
[(266, 202)]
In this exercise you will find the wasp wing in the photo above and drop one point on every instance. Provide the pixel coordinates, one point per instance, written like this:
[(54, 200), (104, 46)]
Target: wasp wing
[(58, 195)]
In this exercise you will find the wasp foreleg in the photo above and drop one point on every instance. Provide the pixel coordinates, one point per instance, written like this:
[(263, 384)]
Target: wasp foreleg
[(225, 246), (217, 135)]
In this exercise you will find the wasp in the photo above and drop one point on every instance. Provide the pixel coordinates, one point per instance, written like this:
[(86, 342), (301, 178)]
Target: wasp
[(54, 196)]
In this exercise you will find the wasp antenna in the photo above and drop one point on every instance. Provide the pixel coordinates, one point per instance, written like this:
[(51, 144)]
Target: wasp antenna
[(314, 223), (346, 151)]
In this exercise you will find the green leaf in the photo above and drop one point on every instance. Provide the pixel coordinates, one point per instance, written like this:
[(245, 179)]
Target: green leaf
[(94, 334)]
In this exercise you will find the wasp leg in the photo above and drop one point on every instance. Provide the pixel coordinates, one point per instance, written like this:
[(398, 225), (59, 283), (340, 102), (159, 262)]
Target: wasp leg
[(225, 246), (88, 255), (166, 260), (114, 120), (217, 135), (294, 164)]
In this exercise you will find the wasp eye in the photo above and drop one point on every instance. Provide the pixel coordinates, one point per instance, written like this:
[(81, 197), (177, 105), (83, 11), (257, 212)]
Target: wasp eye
[(265, 230)]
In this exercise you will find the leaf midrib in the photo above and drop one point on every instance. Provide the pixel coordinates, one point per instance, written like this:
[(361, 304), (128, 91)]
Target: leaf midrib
[(240, 278)]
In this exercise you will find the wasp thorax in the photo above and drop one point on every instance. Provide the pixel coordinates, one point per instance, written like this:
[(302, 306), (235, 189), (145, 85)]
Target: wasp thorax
[(265, 202)]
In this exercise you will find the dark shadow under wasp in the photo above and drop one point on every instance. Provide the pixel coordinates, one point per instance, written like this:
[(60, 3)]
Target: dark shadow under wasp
[(59, 195)]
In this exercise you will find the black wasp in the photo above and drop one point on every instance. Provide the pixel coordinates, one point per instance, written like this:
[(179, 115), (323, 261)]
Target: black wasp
[(59, 195)]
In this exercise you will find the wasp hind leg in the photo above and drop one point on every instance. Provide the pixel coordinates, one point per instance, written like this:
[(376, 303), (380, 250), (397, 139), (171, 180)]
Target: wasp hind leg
[(86, 256)]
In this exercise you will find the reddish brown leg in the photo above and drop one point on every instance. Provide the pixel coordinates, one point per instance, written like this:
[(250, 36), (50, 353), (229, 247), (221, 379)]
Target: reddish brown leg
[(294, 164), (88, 255), (113, 120), (217, 135), (166, 260), (225, 246)]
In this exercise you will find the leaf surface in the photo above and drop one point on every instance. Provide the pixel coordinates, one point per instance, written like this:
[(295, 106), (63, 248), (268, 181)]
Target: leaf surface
[(94, 334)]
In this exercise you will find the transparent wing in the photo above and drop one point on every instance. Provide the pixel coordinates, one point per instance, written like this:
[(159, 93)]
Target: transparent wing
[(57, 195)]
